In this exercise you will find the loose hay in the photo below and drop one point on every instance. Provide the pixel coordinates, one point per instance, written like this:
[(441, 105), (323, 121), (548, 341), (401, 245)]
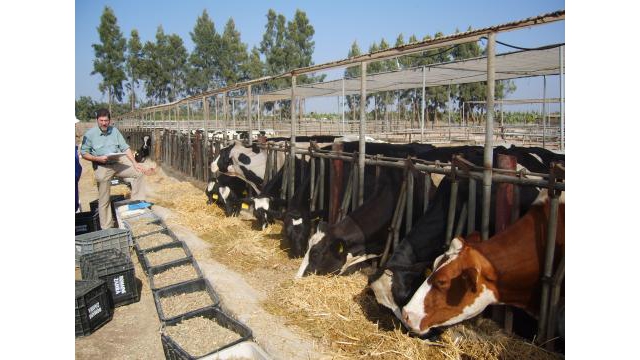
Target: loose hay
[(174, 275), (154, 240), (183, 303), (199, 336), (342, 314), (165, 255), (233, 241)]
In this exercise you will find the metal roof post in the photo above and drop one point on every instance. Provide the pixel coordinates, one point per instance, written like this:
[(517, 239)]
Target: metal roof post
[(488, 138), (292, 143), (561, 97), (363, 113), (422, 106), (249, 110)]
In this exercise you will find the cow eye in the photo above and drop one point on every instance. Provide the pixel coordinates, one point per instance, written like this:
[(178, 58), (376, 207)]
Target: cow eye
[(442, 284)]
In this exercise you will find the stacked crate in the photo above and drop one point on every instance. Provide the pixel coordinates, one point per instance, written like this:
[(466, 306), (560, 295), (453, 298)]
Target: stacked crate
[(116, 270), (93, 306)]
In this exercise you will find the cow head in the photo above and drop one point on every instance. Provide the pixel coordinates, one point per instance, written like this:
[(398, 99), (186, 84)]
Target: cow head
[(297, 229), (264, 210), (212, 192), (333, 249), (393, 286), (462, 285), (222, 162)]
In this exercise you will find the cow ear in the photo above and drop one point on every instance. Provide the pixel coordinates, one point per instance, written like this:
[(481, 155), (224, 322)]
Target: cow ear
[(474, 237), (323, 226), (456, 245), (470, 275)]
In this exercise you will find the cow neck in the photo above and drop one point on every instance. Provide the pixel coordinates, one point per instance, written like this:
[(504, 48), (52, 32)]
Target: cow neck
[(376, 213), (516, 257)]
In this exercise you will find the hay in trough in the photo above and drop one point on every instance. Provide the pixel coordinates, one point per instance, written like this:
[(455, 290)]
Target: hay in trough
[(153, 240), (182, 303), (174, 275), (199, 335), (165, 255), (341, 313)]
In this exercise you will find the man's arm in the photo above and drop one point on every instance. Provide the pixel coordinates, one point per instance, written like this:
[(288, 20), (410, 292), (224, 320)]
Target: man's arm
[(85, 152), (136, 165)]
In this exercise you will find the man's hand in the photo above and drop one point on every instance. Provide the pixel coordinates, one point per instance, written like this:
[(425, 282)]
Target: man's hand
[(101, 159), (142, 169)]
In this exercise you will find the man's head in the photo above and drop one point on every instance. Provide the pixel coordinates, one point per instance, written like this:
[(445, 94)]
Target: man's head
[(103, 117)]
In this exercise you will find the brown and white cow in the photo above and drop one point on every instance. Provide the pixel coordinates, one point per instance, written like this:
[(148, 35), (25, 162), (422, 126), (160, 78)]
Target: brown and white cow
[(505, 269)]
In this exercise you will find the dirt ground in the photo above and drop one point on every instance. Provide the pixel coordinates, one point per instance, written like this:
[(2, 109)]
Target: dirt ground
[(134, 331)]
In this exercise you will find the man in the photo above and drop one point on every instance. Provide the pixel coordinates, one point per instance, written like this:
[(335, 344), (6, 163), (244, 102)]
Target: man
[(97, 143), (78, 170)]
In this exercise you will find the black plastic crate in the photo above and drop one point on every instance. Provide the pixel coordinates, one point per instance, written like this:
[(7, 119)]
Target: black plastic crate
[(173, 350), (162, 268), (87, 222), (117, 270), (183, 288), (93, 306), (93, 205), (146, 265)]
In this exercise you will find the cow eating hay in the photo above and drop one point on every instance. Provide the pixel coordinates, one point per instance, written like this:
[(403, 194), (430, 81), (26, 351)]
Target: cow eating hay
[(342, 315)]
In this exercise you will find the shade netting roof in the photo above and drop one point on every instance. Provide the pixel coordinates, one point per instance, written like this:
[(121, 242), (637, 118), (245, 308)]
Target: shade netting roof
[(525, 63)]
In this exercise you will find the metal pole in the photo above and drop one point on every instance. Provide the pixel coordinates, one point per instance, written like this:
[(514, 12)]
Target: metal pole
[(335, 182), (544, 111), (259, 111), (427, 189), (471, 217), (249, 111), (343, 101), (449, 108), (224, 113), (312, 180), (363, 113), (561, 97), (409, 219), (422, 106), (205, 152), (548, 265), (233, 113), (292, 144), (488, 139)]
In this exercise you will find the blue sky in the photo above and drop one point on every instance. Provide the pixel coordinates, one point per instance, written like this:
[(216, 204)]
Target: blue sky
[(337, 24)]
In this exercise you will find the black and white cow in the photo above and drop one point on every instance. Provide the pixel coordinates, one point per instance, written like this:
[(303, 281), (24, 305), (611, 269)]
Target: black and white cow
[(143, 152), (396, 282), (226, 191), (358, 237)]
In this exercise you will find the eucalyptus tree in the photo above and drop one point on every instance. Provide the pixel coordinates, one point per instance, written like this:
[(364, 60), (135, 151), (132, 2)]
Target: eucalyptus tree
[(204, 68), (232, 55), (353, 101), (109, 56), (134, 64)]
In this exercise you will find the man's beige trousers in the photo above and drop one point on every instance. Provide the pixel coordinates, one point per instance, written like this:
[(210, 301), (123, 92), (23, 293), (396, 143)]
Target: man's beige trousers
[(104, 173)]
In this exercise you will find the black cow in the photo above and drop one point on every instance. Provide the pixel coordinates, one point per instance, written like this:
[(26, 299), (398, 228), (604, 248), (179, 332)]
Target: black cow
[(396, 282), (143, 152)]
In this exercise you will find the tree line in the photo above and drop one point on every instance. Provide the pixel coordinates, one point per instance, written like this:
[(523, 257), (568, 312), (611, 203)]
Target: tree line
[(167, 72)]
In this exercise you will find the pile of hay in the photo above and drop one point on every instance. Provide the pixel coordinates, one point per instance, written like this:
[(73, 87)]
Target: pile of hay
[(341, 313), (234, 242)]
